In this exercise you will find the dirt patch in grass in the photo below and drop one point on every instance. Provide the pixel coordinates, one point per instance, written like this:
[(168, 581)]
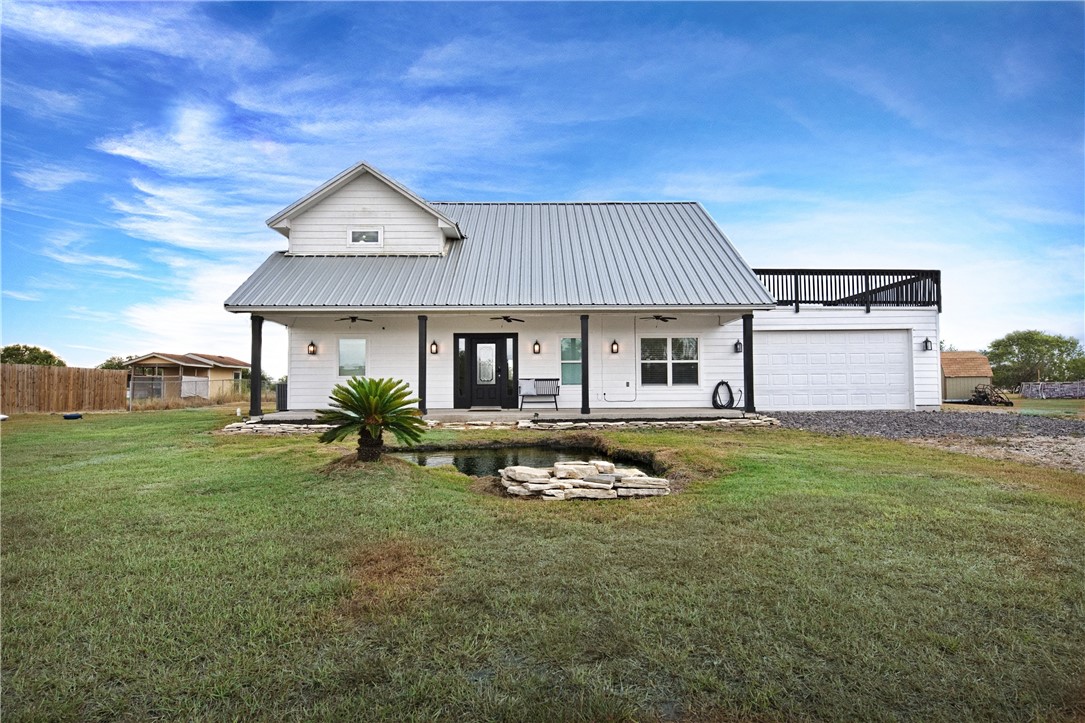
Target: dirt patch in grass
[(387, 576), (1059, 452), (488, 486)]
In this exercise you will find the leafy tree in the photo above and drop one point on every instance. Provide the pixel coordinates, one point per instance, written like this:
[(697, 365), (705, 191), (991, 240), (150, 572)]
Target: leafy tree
[(1075, 370), (371, 407), (25, 354), (1028, 356), (114, 362)]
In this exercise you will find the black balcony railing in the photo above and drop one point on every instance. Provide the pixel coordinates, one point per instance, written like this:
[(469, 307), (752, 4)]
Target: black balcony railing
[(853, 287)]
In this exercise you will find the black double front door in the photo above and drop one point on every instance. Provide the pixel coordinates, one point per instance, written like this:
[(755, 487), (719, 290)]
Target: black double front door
[(486, 370)]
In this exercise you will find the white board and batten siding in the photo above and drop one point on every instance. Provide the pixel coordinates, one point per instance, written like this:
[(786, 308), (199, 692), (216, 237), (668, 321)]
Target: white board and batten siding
[(817, 359), (365, 203), (842, 358)]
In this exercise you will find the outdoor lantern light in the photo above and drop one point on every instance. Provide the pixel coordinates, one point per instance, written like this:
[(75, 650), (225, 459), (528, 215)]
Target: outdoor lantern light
[(928, 344), (311, 348), (536, 347), (614, 347), (433, 347), (738, 347)]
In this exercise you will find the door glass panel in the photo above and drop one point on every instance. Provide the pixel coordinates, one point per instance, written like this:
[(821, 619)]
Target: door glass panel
[(510, 376), (485, 363)]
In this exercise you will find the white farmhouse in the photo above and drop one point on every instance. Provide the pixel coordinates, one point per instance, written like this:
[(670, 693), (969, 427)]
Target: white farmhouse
[(627, 305)]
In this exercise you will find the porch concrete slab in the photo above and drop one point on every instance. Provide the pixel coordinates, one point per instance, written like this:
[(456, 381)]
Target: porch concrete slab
[(305, 416)]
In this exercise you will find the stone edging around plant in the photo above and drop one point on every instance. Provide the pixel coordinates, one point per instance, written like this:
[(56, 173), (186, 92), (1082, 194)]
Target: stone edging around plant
[(749, 421), (592, 480)]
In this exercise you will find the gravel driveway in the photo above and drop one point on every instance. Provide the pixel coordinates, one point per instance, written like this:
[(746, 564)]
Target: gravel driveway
[(1039, 440)]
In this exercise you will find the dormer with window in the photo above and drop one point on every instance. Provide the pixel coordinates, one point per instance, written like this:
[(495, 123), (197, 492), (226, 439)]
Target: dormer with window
[(362, 212)]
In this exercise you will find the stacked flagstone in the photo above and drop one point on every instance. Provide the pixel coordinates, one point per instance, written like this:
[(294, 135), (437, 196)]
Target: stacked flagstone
[(594, 480)]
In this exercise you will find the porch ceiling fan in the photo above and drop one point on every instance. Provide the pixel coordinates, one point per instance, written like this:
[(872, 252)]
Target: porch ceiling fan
[(508, 319), (353, 319), (660, 317)]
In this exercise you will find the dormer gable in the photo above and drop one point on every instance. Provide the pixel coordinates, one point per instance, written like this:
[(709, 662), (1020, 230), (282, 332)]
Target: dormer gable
[(362, 211)]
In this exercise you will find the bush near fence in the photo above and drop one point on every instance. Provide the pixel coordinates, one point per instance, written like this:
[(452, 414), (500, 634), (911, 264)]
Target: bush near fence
[(1053, 390), (32, 388)]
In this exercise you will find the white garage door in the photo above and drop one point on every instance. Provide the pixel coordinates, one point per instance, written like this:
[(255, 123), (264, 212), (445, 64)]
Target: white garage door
[(795, 370)]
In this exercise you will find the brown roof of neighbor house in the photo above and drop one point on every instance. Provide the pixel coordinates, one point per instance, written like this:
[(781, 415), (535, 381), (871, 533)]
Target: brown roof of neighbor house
[(965, 364), (192, 359)]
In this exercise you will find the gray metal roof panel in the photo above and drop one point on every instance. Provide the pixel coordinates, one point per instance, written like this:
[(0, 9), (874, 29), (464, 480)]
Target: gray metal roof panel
[(529, 254)]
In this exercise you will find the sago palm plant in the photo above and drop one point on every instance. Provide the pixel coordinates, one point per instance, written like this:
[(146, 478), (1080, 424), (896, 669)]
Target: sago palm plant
[(370, 407)]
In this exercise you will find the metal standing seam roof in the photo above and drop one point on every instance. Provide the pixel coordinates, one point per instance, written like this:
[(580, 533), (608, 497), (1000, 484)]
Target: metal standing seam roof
[(523, 255)]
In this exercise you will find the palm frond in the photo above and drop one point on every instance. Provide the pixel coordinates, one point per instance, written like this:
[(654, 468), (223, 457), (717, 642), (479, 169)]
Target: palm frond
[(375, 405)]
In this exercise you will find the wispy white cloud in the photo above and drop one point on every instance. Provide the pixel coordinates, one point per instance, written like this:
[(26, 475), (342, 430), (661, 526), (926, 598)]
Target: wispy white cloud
[(67, 248), (888, 92), (171, 29), (51, 177), (83, 313), (21, 295), (41, 102)]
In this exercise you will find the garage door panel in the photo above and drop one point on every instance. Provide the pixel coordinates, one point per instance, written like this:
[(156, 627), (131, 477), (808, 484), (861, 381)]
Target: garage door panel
[(834, 370)]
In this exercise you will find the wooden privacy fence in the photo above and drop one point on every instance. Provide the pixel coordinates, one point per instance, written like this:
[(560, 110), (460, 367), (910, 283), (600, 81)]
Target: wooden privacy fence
[(32, 388)]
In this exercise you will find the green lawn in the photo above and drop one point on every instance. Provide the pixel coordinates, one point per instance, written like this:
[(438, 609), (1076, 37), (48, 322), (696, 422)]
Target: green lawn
[(154, 570), (1049, 407)]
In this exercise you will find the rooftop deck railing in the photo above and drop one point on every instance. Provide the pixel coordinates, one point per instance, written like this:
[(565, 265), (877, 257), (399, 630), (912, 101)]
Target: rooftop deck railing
[(853, 287)]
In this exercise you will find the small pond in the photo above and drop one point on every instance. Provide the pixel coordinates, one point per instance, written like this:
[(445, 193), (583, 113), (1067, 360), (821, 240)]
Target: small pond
[(486, 462)]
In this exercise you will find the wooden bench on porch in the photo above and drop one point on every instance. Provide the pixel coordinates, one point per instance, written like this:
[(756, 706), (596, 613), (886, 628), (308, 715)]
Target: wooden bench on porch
[(538, 388)]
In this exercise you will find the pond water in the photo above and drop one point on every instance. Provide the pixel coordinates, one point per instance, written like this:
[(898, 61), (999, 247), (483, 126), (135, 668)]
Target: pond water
[(486, 462)]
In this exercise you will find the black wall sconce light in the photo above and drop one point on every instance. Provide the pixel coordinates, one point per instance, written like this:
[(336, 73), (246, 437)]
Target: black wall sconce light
[(614, 347), (433, 347), (311, 349), (536, 348), (928, 345), (738, 347)]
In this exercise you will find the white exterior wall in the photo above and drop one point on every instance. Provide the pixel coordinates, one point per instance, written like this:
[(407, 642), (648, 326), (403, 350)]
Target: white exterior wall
[(919, 323), (365, 202), (392, 350)]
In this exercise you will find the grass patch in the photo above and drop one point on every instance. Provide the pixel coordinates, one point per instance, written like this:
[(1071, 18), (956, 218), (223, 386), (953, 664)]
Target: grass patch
[(1072, 408), (153, 569)]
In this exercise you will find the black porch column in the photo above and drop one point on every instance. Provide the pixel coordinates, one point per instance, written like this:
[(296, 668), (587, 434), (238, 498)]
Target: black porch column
[(585, 407), (422, 318), (256, 371), (747, 360)]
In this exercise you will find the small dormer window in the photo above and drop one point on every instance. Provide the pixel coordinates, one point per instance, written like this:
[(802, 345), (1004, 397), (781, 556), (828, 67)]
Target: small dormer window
[(366, 238)]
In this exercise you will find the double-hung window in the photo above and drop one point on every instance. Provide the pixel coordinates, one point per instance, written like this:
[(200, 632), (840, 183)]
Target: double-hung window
[(572, 356), (669, 361), (352, 357)]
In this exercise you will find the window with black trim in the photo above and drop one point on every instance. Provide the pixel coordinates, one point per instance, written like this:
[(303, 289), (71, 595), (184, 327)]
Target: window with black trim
[(669, 361)]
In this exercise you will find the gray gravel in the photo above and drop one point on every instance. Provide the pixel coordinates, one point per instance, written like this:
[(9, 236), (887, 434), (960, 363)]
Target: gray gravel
[(902, 425)]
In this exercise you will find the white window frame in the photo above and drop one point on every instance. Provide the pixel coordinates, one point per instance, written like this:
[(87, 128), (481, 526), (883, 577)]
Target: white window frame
[(562, 363), (669, 361), (339, 354), (378, 244)]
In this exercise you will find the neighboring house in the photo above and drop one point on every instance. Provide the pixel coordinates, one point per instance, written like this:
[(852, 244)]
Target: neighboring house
[(630, 305), (962, 372), (158, 375)]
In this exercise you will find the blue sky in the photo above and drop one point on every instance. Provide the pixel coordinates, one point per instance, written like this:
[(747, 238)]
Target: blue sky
[(144, 145)]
